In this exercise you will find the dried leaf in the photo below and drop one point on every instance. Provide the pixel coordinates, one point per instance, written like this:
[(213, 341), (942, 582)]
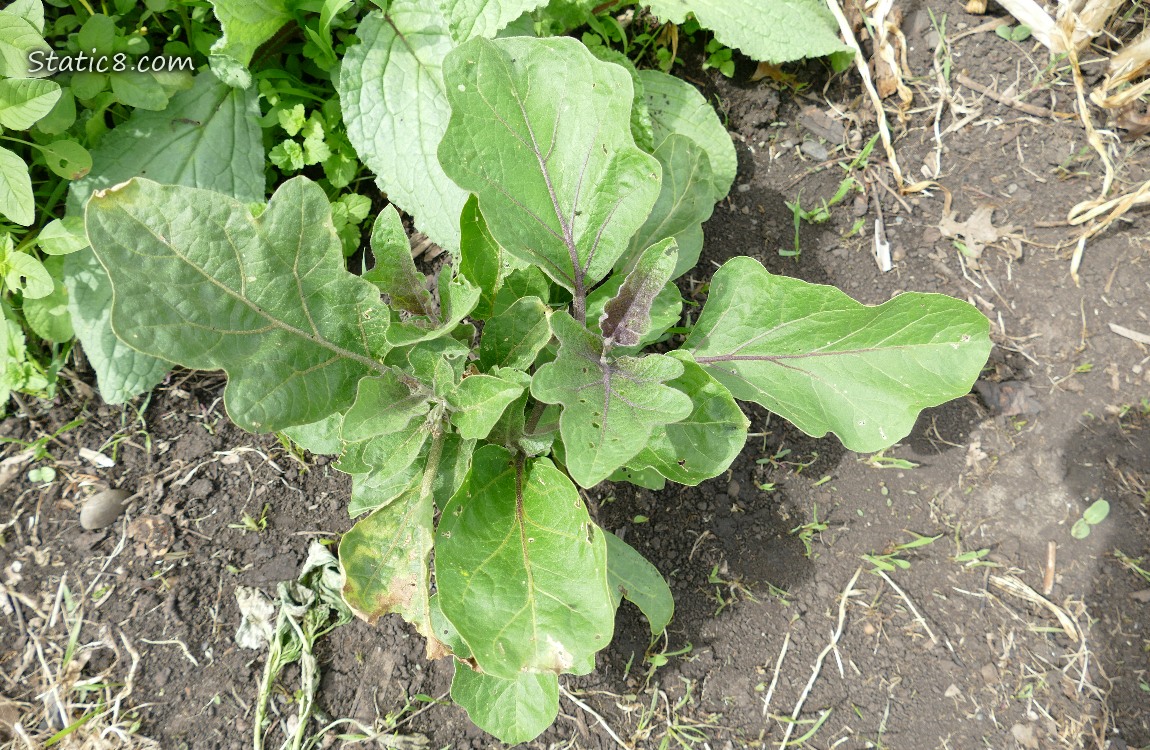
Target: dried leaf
[(976, 232)]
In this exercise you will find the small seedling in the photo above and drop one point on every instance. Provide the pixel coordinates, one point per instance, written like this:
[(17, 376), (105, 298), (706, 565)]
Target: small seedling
[(882, 461), (42, 475), (1019, 33), (889, 560), (1133, 564), (1091, 517), (807, 531), (249, 523)]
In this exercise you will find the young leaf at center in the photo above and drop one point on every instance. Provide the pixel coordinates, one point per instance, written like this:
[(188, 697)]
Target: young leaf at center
[(610, 405), (559, 178)]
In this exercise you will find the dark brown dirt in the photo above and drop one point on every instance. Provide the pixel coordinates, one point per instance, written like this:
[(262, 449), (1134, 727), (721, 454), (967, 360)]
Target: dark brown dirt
[(949, 659)]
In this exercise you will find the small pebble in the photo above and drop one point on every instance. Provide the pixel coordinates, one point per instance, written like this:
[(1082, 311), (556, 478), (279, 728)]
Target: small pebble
[(103, 508), (815, 150), (744, 188)]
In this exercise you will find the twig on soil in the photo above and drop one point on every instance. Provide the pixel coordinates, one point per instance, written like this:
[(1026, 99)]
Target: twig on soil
[(847, 593), (1012, 585), (876, 102), (591, 712), (1048, 577), (174, 642), (1141, 338), (1010, 101), (775, 676), (913, 610)]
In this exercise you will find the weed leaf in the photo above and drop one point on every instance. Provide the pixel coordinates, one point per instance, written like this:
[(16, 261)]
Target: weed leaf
[(471, 18), (391, 91), (767, 31)]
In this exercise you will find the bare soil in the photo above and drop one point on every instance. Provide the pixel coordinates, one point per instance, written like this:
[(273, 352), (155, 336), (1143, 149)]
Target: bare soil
[(944, 651)]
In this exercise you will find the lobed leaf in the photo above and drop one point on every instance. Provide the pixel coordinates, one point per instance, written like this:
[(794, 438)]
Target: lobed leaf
[(706, 442), (610, 405), (200, 282), (121, 371), (480, 400), (830, 364), (559, 179), (208, 137), (515, 710), (521, 569)]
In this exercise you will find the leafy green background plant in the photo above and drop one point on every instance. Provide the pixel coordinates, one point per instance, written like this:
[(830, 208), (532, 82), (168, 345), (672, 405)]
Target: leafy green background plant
[(471, 406)]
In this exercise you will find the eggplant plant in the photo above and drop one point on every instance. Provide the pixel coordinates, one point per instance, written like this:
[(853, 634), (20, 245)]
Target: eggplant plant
[(469, 418)]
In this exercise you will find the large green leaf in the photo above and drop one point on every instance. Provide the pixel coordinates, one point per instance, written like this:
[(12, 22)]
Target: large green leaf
[(471, 18), (559, 178), (639, 582), (705, 443), (246, 25), (777, 31), (208, 137), (611, 405), (121, 371), (198, 281), (521, 569), (686, 199), (391, 91), (514, 711), (16, 201), (677, 107), (23, 101), (827, 363)]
